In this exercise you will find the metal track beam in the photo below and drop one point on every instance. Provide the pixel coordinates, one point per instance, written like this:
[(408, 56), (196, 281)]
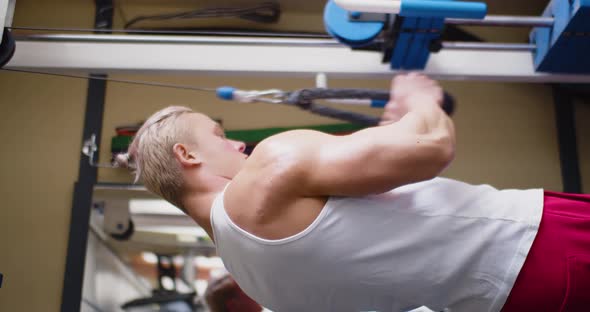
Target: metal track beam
[(280, 59)]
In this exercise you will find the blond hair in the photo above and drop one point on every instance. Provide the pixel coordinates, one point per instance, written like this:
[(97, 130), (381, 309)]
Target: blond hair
[(150, 155)]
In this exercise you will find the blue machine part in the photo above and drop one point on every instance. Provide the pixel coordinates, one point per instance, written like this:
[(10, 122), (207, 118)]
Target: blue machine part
[(450, 9), (414, 57), (352, 33), (418, 35), (429, 29), (378, 103), (437, 26), (564, 48), (419, 23), (225, 93), (412, 46), (402, 43)]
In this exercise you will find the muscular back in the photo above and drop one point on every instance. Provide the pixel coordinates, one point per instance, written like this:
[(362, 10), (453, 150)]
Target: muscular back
[(261, 198)]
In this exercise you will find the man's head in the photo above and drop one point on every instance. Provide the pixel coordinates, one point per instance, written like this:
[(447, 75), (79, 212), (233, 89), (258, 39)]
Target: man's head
[(177, 149)]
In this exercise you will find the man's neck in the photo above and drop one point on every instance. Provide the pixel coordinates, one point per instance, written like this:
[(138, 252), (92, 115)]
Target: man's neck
[(198, 207)]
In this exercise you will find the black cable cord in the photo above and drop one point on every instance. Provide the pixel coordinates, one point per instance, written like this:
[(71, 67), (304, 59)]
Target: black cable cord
[(267, 12), (294, 98), (121, 12), (136, 82)]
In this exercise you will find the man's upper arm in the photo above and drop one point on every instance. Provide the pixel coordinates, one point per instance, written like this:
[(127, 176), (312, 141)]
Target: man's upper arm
[(369, 161)]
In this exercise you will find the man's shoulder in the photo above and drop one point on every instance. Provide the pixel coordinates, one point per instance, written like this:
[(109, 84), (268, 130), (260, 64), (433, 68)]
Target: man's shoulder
[(280, 157), (270, 181), (258, 199), (267, 203), (285, 143)]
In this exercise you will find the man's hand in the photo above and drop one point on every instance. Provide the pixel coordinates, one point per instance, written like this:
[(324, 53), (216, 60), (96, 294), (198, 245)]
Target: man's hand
[(409, 92)]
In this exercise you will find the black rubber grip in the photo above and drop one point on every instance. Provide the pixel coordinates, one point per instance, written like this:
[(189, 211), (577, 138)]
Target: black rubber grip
[(307, 96)]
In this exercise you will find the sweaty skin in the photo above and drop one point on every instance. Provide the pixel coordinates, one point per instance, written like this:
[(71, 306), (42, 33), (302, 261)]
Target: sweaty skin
[(281, 188)]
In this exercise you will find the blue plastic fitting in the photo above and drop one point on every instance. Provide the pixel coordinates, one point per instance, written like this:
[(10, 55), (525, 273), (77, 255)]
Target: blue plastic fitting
[(350, 32), (378, 103), (444, 9), (226, 93)]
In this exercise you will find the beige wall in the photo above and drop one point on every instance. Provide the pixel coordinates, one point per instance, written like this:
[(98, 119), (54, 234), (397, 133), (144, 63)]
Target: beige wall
[(506, 137), (40, 134), (40, 131)]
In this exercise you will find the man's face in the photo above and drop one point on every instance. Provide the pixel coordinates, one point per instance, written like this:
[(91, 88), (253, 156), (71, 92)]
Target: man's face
[(221, 155)]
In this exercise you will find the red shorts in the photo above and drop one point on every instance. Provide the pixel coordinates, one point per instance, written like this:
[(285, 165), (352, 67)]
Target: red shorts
[(556, 273)]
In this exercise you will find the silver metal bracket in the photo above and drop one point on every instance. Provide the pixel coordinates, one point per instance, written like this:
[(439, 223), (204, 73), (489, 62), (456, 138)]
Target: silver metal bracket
[(89, 148), (117, 218)]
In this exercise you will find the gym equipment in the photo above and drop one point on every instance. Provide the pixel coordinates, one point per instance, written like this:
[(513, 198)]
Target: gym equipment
[(165, 299), (407, 37), (117, 219), (305, 98), (565, 46), (301, 98), (407, 33)]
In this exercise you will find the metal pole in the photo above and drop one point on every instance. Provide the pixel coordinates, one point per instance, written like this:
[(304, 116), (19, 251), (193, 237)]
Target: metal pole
[(257, 41), (481, 46), (504, 20), (184, 40), (87, 177)]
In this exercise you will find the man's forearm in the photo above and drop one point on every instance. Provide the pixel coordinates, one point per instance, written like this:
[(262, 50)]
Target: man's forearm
[(415, 113), (430, 123)]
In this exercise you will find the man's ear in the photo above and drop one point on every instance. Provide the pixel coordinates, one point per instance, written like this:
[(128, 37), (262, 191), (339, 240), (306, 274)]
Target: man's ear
[(184, 156)]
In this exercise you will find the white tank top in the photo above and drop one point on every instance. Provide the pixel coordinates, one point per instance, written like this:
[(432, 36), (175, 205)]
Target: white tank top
[(439, 243)]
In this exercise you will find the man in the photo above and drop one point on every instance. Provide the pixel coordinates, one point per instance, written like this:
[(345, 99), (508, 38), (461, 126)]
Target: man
[(315, 222)]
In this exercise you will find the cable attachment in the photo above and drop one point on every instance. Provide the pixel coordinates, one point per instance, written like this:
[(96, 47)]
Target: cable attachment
[(305, 98), (89, 148), (274, 96)]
